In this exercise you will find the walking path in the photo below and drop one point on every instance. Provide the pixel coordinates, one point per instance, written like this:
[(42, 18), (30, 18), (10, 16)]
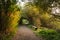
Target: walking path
[(24, 33)]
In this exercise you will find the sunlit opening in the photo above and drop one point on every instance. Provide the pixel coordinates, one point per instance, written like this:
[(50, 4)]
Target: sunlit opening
[(22, 2), (56, 10)]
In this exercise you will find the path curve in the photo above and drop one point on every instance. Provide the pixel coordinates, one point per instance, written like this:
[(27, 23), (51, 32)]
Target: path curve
[(25, 33)]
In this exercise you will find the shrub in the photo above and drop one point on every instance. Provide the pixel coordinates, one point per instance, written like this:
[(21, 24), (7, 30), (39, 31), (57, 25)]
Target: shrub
[(48, 34)]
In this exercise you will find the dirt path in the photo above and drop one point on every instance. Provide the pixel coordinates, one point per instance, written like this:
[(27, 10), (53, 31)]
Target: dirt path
[(25, 33)]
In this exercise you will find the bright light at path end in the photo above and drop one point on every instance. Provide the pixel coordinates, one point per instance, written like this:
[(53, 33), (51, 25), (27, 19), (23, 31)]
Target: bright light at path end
[(22, 4)]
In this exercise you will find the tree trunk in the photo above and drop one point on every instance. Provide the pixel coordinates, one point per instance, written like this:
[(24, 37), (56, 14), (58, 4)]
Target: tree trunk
[(37, 22)]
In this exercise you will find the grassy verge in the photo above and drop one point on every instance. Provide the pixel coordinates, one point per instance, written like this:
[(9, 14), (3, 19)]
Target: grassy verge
[(48, 34)]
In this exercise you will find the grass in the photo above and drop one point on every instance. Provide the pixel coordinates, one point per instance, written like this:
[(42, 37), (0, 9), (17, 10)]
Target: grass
[(48, 34)]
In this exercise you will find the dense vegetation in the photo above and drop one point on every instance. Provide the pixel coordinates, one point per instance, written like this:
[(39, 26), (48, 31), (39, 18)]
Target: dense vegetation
[(48, 34), (39, 13), (9, 16), (42, 16)]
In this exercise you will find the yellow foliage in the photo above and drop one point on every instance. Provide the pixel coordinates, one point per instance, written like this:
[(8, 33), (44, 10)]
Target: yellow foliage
[(45, 16), (14, 17), (32, 10)]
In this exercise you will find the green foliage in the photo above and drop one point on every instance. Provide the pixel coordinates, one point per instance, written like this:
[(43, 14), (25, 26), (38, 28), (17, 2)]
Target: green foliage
[(9, 17), (25, 21), (8, 36), (48, 20), (44, 4), (30, 26), (5, 4), (55, 23), (45, 19), (48, 34), (13, 8)]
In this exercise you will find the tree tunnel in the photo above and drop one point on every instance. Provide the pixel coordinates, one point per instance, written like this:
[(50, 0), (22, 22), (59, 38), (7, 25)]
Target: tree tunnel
[(26, 21)]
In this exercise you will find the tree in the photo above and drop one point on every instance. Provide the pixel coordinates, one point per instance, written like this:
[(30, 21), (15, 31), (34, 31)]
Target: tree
[(33, 13), (9, 16), (44, 4)]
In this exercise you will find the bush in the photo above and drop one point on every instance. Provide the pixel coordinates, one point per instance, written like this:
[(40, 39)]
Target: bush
[(48, 34), (9, 23)]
